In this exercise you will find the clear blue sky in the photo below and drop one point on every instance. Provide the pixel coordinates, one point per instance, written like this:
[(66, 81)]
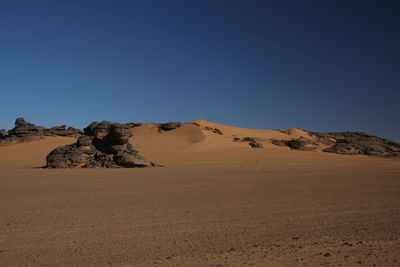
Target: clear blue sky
[(317, 65)]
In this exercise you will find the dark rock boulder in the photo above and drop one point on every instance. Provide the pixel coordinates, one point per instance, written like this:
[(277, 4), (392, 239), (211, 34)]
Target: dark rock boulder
[(279, 142), (70, 156), (287, 143), (169, 126), (105, 144), (214, 130), (250, 140), (236, 139), (255, 144), (296, 143)]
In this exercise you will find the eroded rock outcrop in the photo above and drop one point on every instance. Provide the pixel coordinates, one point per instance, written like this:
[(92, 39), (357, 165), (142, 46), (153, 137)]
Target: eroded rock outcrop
[(297, 144), (357, 143), (250, 140), (350, 143), (3, 133), (169, 126), (104, 144), (25, 131), (214, 130), (63, 130), (133, 124)]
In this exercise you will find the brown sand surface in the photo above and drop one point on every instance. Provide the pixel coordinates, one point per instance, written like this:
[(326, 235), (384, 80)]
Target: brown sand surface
[(215, 203)]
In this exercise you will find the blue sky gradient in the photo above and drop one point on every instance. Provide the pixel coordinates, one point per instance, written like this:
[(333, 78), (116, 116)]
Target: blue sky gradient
[(317, 65)]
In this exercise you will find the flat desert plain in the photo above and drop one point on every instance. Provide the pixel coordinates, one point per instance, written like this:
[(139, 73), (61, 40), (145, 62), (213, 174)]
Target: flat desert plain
[(214, 203)]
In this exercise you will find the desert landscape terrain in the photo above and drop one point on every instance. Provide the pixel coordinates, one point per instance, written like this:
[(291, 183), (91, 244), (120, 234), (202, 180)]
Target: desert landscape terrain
[(215, 202)]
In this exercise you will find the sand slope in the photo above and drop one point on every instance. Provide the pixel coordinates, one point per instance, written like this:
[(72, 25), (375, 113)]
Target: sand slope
[(215, 203), (191, 144), (30, 154)]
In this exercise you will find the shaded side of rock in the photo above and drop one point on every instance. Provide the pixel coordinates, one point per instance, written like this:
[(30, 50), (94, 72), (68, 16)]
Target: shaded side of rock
[(105, 144), (279, 142), (296, 143), (3, 133)]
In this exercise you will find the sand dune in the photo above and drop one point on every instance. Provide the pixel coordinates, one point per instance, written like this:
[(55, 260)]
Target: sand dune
[(262, 134), (190, 144), (215, 203)]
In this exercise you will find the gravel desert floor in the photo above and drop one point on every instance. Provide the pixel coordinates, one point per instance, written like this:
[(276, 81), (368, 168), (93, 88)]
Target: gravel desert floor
[(214, 203)]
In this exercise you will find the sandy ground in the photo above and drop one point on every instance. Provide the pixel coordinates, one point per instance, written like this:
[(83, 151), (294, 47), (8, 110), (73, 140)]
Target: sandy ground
[(215, 203)]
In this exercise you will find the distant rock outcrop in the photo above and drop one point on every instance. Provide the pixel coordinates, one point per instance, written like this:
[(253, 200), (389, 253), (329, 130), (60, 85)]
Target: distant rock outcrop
[(133, 124), (104, 144), (25, 131), (297, 144), (214, 130), (250, 140), (350, 143), (169, 126), (357, 143), (62, 130)]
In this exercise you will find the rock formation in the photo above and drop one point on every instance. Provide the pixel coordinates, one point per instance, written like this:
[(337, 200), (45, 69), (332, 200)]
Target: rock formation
[(252, 142), (3, 133), (297, 144), (62, 130), (25, 131), (357, 143), (104, 144), (350, 143), (169, 126), (214, 130), (133, 124)]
